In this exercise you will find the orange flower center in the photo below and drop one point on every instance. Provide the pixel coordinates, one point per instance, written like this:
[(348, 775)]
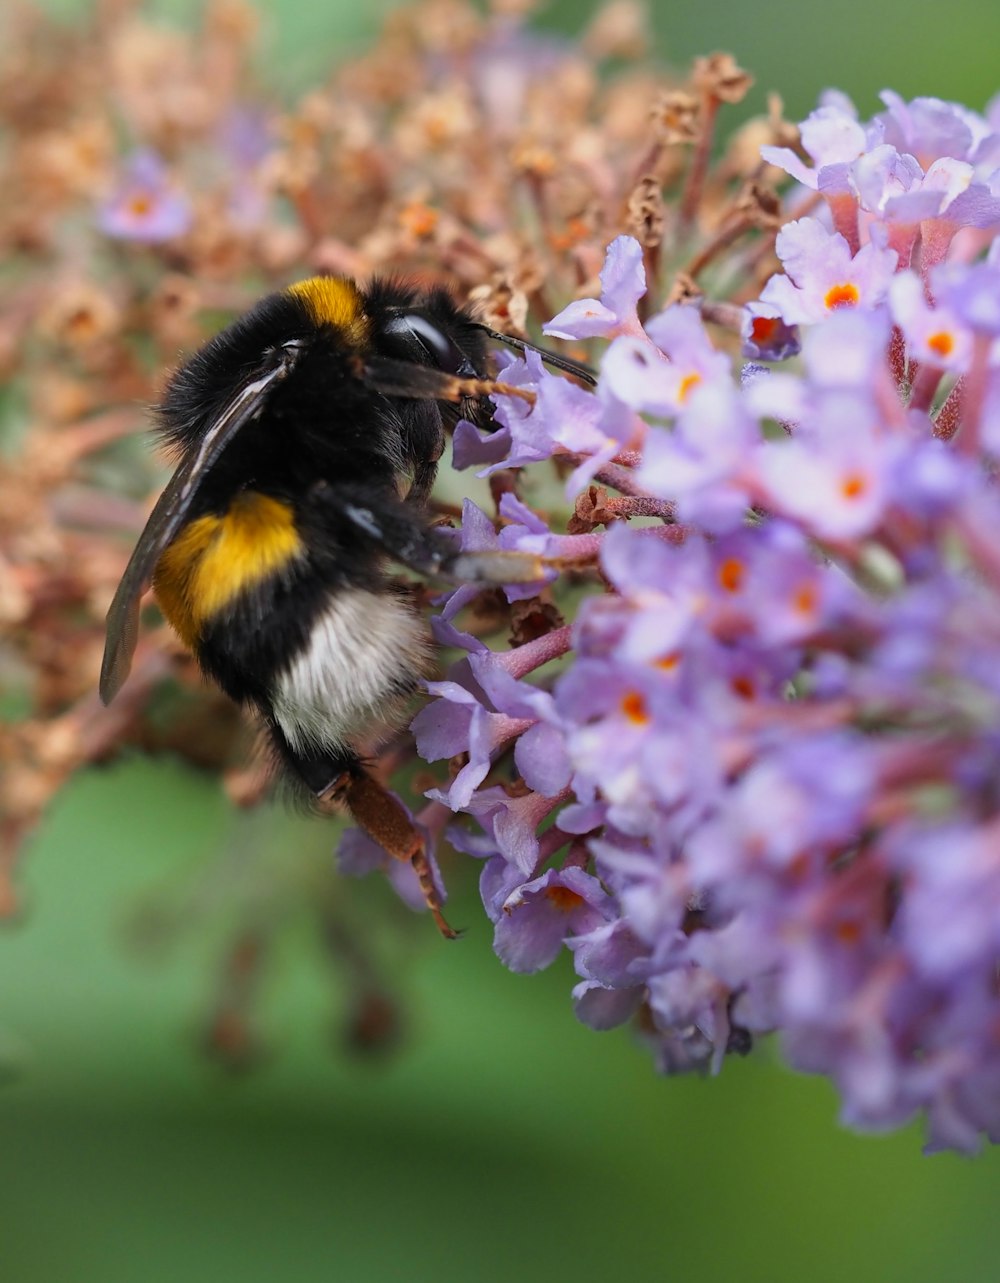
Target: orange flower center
[(942, 343), (140, 204), (563, 899), (634, 708), (763, 328), (853, 485), (731, 574), (848, 931), (804, 599), (688, 384), (744, 687), (841, 296)]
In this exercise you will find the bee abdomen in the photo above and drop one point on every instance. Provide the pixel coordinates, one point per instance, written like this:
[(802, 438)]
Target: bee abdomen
[(365, 652)]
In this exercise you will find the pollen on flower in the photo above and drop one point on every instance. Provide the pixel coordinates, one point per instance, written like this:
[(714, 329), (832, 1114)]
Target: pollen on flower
[(634, 707), (805, 599), (668, 663), (688, 384), (845, 295)]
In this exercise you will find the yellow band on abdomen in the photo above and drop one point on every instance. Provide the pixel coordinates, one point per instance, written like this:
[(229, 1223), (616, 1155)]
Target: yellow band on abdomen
[(214, 559)]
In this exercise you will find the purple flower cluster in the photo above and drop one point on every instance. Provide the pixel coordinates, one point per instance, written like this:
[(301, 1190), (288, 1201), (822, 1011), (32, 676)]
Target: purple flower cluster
[(754, 786), (149, 204)]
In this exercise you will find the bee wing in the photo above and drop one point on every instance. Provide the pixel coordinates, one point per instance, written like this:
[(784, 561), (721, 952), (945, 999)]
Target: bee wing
[(168, 516)]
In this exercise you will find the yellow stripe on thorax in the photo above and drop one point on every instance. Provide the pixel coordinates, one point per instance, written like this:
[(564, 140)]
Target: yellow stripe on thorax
[(336, 301), (214, 559)]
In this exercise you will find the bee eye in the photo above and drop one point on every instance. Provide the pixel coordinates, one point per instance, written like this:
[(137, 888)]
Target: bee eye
[(419, 339)]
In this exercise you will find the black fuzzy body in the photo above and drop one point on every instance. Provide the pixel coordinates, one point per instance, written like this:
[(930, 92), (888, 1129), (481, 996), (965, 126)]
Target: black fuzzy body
[(323, 445)]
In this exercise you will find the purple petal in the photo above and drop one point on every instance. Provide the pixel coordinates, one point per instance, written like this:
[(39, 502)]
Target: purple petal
[(541, 757), (602, 1008), (472, 447)]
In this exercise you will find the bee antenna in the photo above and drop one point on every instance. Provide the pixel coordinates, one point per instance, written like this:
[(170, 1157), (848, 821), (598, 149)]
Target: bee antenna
[(577, 368)]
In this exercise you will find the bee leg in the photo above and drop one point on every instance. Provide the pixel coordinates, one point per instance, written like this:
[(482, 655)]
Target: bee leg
[(401, 532), (381, 815), (336, 777), (424, 475)]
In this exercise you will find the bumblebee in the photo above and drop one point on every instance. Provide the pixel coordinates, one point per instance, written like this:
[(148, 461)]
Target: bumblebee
[(308, 434)]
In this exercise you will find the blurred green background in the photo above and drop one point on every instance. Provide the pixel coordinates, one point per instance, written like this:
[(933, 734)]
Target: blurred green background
[(503, 1140)]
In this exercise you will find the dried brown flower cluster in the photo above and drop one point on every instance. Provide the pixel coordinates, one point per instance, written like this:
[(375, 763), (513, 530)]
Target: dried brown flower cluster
[(152, 189)]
